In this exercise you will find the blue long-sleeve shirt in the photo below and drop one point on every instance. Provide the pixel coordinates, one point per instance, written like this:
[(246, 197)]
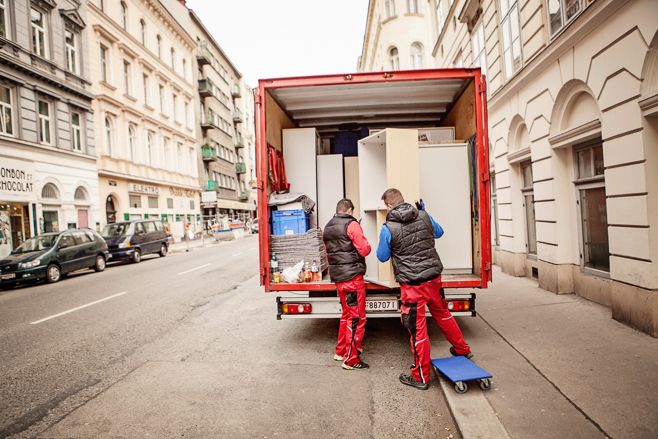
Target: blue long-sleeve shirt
[(384, 247)]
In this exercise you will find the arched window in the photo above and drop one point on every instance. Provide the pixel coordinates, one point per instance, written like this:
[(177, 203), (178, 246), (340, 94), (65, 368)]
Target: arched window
[(124, 15), (80, 194), (159, 38), (142, 29), (394, 58), (416, 56), (131, 142), (49, 192), (108, 135)]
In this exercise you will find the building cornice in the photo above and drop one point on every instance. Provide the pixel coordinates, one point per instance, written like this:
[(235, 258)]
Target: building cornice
[(578, 134), (114, 174), (366, 34), (216, 45), (649, 105), (29, 148), (519, 156), (589, 20)]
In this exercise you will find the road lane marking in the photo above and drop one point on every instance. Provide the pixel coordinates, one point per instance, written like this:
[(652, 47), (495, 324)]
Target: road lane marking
[(78, 308), (236, 254), (193, 269)]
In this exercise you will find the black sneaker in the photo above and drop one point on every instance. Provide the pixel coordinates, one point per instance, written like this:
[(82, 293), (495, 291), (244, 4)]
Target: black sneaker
[(455, 354), (359, 365), (410, 381)]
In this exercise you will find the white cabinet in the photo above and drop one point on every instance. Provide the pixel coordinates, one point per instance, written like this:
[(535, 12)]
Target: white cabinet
[(300, 146), (445, 189), (330, 186)]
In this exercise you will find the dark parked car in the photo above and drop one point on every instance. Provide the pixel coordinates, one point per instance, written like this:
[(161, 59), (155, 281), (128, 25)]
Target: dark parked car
[(52, 255), (134, 239)]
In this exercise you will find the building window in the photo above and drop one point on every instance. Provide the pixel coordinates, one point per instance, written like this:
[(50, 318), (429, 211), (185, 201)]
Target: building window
[(131, 142), (529, 206), (70, 41), (479, 48), (509, 21), (162, 102), (149, 148), (167, 152), (180, 158), (394, 58), (135, 201), (440, 15), (76, 128), (173, 58), (170, 203), (126, 77), (4, 20), (174, 98), (153, 202), (191, 204), (416, 56), (39, 40), (590, 184), (6, 111), (184, 68), (145, 85), (389, 8), (459, 60), (108, 135), (187, 115), (104, 64), (561, 12), (412, 6), (101, 5), (142, 31), (159, 40), (124, 15), (80, 194), (45, 135)]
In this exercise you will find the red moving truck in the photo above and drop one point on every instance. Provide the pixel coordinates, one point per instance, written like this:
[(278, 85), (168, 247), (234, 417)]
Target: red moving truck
[(446, 111)]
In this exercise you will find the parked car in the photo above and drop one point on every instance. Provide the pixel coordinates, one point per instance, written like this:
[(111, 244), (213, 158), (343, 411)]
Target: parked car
[(254, 225), (53, 255), (133, 239)]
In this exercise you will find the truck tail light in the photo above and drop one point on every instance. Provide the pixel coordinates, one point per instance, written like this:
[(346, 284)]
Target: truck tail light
[(459, 305), (296, 308)]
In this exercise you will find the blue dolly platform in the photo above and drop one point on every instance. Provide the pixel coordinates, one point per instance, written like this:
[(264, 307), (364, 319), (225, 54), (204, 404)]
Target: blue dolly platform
[(459, 370)]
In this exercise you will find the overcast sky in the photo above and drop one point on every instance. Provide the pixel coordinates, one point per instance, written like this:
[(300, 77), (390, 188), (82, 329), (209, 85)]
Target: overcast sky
[(275, 38)]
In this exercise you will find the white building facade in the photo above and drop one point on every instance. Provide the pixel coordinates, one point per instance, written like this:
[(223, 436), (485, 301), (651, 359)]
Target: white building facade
[(48, 179), (397, 36), (144, 81), (573, 126)]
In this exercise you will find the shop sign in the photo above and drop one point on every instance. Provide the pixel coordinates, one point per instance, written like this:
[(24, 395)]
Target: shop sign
[(179, 192), (16, 178), (209, 197), (138, 188)]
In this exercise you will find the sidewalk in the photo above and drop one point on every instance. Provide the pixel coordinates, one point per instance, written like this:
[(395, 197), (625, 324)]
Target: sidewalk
[(562, 367)]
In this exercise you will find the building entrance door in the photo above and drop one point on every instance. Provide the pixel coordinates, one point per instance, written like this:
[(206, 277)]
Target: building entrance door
[(83, 218)]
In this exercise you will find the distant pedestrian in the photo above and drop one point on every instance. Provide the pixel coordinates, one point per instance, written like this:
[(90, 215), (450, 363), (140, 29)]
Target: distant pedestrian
[(408, 239), (347, 248)]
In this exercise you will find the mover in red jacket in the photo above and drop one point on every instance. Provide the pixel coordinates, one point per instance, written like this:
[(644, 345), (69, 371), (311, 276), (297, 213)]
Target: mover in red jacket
[(408, 239), (347, 248)]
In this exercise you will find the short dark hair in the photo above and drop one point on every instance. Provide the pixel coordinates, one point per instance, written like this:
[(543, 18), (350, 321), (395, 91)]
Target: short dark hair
[(344, 205), (393, 197)]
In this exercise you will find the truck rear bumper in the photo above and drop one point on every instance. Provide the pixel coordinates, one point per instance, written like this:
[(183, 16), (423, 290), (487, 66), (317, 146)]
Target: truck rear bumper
[(330, 308)]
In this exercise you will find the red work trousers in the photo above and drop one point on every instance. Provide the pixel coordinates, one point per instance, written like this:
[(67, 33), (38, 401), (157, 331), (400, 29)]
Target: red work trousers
[(352, 325), (414, 299)]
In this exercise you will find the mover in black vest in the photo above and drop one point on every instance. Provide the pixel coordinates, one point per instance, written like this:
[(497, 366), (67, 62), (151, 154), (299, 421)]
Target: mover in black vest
[(408, 239), (347, 248)]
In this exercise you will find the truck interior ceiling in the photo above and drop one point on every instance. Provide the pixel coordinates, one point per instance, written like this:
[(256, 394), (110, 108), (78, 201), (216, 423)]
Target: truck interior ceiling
[(360, 111)]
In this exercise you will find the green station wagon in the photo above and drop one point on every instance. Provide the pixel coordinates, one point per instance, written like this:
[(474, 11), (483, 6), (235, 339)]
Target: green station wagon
[(52, 255)]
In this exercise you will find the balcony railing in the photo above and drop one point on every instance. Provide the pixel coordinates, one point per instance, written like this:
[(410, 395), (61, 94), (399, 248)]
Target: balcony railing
[(237, 117), (240, 168), (209, 120), (236, 92), (206, 88), (203, 55), (239, 141), (208, 152), (212, 185), (243, 195)]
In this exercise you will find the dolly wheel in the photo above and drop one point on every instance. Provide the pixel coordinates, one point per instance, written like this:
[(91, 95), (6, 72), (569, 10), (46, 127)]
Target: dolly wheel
[(461, 387), (485, 383)]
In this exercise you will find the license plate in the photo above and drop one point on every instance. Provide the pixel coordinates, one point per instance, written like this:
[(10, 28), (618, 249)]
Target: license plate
[(381, 305), (8, 276)]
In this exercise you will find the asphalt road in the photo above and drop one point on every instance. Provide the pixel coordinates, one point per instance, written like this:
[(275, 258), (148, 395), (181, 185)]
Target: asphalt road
[(188, 345)]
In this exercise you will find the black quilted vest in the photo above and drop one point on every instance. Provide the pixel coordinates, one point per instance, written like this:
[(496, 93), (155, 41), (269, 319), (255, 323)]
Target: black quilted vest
[(345, 263), (413, 254)]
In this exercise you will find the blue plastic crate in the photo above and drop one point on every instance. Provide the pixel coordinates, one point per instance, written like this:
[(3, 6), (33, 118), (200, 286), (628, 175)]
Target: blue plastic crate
[(290, 222)]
